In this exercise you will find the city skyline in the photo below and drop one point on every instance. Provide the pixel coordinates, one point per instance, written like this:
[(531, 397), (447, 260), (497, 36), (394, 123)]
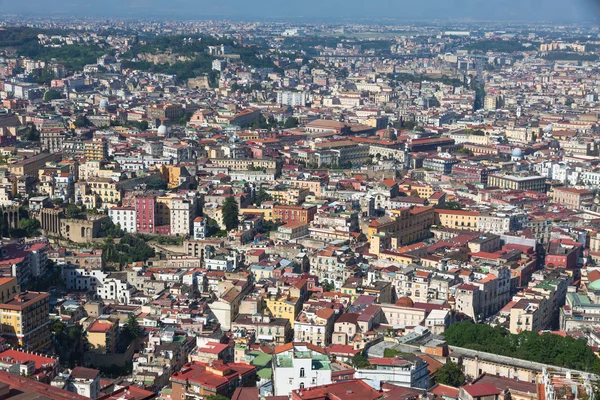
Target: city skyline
[(311, 10)]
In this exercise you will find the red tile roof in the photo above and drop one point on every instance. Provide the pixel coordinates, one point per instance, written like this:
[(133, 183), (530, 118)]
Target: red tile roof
[(481, 389), (202, 373)]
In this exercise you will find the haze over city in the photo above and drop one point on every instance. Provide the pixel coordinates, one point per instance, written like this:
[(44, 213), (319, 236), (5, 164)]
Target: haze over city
[(328, 10)]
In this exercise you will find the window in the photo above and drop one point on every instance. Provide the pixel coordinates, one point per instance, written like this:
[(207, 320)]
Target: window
[(302, 373), (301, 385)]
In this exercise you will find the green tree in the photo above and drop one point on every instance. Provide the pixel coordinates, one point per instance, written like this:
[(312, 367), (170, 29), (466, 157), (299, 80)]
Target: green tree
[(110, 229), (290, 123), (261, 196), (69, 342), (52, 95), (133, 328), (31, 226), (360, 361), (450, 374), (230, 213), (547, 348), (452, 205), (72, 211), (32, 134), (217, 397), (142, 125), (81, 121), (389, 352)]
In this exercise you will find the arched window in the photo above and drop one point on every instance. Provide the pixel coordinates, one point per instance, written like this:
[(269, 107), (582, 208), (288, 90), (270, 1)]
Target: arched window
[(301, 385), (301, 372)]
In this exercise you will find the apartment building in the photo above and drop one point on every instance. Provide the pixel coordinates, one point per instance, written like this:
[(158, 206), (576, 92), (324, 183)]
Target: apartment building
[(26, 321), (573, 198), (534, 183)]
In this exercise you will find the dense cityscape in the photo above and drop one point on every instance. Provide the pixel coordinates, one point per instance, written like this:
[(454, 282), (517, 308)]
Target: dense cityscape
[(213, 210)]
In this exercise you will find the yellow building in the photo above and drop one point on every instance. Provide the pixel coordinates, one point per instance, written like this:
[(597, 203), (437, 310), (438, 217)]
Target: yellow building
[(423, 191), (172, 175), (95, 149), (107, 189), (102, 336), (267, 213), (457, 219), (288, 195), (284, 306), (25, 319), (8, 289), (407, 225), (311, 186)]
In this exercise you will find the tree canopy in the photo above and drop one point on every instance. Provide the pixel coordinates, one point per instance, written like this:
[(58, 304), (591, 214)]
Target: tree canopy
[(129, 249), (360, 361), (547, 348), (230, 213), (450, 374)]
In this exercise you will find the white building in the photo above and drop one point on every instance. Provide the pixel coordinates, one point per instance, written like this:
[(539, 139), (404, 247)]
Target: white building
[(125, 217), (292, 99), (82, 279), (200, 228), (115, 289), (404, 370), (220, 263), (85, 382), (300, 365), (183, 212)]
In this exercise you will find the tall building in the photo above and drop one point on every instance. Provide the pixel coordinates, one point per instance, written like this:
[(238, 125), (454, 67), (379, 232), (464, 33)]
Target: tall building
[(162, 111), (95, 149), (25, 320), (299, 366), (145, 213), (292, 99)]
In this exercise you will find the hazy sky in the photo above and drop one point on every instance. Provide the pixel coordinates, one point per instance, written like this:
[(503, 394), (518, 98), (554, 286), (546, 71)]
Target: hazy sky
[(534, 10)]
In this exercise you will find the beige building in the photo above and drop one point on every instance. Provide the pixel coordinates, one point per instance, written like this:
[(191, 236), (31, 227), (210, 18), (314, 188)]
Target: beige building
[(530, 315), (457, 219), (535, 183), (315, 326), (573, 198), (402, 316), (237, 164)]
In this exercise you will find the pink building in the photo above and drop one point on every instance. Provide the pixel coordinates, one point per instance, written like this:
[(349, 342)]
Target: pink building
[(145, 207)]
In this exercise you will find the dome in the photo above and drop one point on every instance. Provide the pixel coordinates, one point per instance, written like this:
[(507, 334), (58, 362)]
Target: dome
[(162, 130), (405, 302), (517, 152), (104, 103), (595, 285)]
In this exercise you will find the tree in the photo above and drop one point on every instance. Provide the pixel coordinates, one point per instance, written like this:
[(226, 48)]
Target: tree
[(216, 397), (31, 226), (290, 123), (81, 122), (261, 196), (450, 374), (360, 361), (110, 229), (52, 95), (230, 213), (547, 348), (452, 205), (142, 125), (72, 211), (32, 134), (133, 328)]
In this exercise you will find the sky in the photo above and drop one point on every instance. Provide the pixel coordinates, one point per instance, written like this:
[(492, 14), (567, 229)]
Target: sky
[(330, 10)]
